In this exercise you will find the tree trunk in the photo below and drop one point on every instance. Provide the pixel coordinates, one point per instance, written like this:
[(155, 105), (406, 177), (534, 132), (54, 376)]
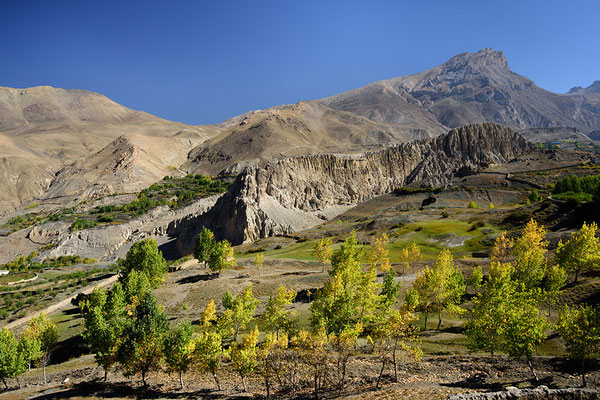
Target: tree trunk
[(144, 378), (583, 382), (380, 373), (323, 268), (44, 372), (217, 381), (105, 375), (181, 379), (244, 383), (5, 384), (394, 360), (531, 369), (439, 321), (426, 316), (268, 387)]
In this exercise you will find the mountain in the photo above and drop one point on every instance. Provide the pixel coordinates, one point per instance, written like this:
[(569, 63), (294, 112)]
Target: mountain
[(48, 133), (471, 88), (308, 127)]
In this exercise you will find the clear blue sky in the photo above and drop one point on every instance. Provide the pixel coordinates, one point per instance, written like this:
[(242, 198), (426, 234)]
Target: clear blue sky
[(204, 61)]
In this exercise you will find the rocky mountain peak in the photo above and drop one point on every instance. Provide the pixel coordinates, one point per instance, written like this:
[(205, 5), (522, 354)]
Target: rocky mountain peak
[(481, 59)]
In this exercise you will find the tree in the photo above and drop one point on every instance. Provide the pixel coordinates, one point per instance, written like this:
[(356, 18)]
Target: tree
[(141, 348), (239, 311), (277, 314), (379, 256), (439, 288), (12, 361), (220, 257), (579, 328), (502, 248), (524, 329), (135, 285), (389, 291), (343, 344), (46, 332), (243, 355), (179, 347), (581, 252), (203, 244), (314, 353), (104, 322), (351, 295), (392, 333), (534, 197), (409, 255), (208, 352), (323, 251), (268, 357), (476, 277), (144, 256), (486, 325), (472, 204), (530, 260), (209, 315), (29, 347), (259, 260)]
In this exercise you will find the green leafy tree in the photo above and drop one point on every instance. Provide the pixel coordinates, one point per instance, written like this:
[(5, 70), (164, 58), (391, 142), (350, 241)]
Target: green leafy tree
[(259, 260), (203, 244), (486, 325), (141, 348), (135, 285), (220, 257), (277, 314), (30, 347), (243, 356), (439, 288), (534, 196), (179, 346), (472, 204), (208, 351), (579, 328), (239, 311), (389, 291), (476, 277), (351, 295), (323, 251), (144, 256), (46, 332), (12, 361), (379, 256), (105, 317), (524, 329), (581, 252)]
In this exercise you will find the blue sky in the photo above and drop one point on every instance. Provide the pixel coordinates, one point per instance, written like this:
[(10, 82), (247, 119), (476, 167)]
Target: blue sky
[(201, 62)]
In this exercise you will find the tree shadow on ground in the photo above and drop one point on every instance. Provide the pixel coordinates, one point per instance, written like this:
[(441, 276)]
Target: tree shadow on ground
[(101, 390), (479, 381), (198, 278)]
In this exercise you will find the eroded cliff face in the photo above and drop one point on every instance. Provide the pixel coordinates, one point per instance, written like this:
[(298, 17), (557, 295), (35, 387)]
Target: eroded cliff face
[(299, 192)]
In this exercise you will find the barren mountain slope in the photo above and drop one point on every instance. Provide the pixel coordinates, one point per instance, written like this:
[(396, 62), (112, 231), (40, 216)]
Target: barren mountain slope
[(471, 88), (44, 129), (308, 127)]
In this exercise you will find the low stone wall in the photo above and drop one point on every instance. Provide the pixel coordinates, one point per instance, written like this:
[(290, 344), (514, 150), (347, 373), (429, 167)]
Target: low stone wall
[(540, 393)]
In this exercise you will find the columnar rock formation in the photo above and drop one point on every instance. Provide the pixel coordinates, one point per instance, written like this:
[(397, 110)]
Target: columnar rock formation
[(299, 192)]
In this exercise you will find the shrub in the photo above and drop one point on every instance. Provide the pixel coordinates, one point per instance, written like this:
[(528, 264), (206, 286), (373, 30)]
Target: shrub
[(472, 204), (81, 224), (534, 196)]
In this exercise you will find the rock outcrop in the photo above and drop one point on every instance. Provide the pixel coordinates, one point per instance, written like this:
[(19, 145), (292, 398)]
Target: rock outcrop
[(300, 192), (540, 393)]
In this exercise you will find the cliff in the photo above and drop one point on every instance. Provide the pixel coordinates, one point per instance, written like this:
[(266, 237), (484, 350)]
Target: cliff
[(299, 192)]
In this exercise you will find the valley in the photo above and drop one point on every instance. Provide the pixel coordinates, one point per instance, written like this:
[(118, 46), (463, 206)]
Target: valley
[(419, 237)]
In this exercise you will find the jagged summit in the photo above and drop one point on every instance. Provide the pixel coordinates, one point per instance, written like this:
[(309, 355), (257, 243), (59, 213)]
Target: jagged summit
[(482, 58), (469, 88)]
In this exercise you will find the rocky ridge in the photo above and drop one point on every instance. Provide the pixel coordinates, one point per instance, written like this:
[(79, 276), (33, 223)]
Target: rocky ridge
[(300, 192)]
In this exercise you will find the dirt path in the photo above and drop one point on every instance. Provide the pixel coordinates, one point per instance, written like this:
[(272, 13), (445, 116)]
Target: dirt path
[(63, 303)]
